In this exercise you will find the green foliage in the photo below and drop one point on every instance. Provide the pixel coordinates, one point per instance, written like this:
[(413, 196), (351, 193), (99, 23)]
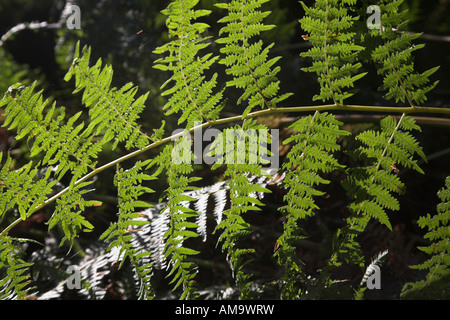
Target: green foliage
[(245, 59), (176, 161), (372, 185), (435, 286), (68, 212), (67, 147), (241, 196), (65, 151), (191, 93), (15, 277), (20, 189), (112, 111), (334, 52), (130, 188), (311, 155), (394, 58)]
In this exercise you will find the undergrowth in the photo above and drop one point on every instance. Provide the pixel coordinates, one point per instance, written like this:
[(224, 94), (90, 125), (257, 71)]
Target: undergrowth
[(146, 239)]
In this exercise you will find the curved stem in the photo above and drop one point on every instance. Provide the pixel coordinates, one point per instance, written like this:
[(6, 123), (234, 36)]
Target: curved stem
[(265, 112)]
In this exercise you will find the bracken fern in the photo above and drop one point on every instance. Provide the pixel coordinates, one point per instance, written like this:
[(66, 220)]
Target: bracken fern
[(145, 238)]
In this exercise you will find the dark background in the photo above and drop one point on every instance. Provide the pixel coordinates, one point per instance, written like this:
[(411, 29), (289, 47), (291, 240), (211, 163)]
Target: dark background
[(112, 29)]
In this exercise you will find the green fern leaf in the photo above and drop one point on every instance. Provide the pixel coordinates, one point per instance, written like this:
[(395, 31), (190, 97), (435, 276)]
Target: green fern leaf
[(439, 249), (394, 58), (334, 52), (113, 112), (191, 93), (246, 61), (14, 272), (311, 155)]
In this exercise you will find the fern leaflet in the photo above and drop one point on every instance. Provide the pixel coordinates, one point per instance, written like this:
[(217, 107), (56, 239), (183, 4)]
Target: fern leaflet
[(394, 58), (311, 154), (334, 52), (14, 272), (439, 249), (177, 162), (191, 93), (113, 111), (130, 188), (237, 145), (246, 61)]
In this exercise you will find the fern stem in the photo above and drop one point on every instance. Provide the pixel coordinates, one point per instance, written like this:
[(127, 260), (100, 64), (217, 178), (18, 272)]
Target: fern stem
[(377, 167), (326, 54), (260, 113)]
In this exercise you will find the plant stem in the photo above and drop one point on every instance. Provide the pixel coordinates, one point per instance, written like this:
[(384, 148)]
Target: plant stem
[(265, 112)]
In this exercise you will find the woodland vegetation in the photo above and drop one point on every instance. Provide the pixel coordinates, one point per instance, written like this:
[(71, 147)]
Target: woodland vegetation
[(87, 177)]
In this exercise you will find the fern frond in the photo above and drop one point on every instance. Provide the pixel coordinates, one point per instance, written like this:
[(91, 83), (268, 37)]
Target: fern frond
[(67, 147), (334, 52), (391, 147), (14, 272), (191, 93), (310, 156), (373, 185), (237, 147), (180, 228), (23, 188), (439, 249), (68, 212), (113, 112), (130, 188), (246, 60), (394, 58)]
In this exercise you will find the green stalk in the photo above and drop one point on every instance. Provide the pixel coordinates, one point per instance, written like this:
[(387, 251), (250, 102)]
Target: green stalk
[(266, 112)]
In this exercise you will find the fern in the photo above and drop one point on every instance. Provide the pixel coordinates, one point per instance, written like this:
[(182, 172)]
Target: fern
[(130, 188), (239, 167), (66, 147), (394, 58), (334, 52), (20, 189), (246, 60), (14, 275), (65, 151), (112, 111), (180, 228), (311, 155), (247, 63), (373, 184), (439, 250), (68, 212), (191, 93)]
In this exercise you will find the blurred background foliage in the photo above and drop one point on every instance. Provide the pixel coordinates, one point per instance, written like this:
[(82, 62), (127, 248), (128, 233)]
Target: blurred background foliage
[(124, 33)]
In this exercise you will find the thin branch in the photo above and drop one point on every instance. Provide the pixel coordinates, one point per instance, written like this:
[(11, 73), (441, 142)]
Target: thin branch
[(266, 112)]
